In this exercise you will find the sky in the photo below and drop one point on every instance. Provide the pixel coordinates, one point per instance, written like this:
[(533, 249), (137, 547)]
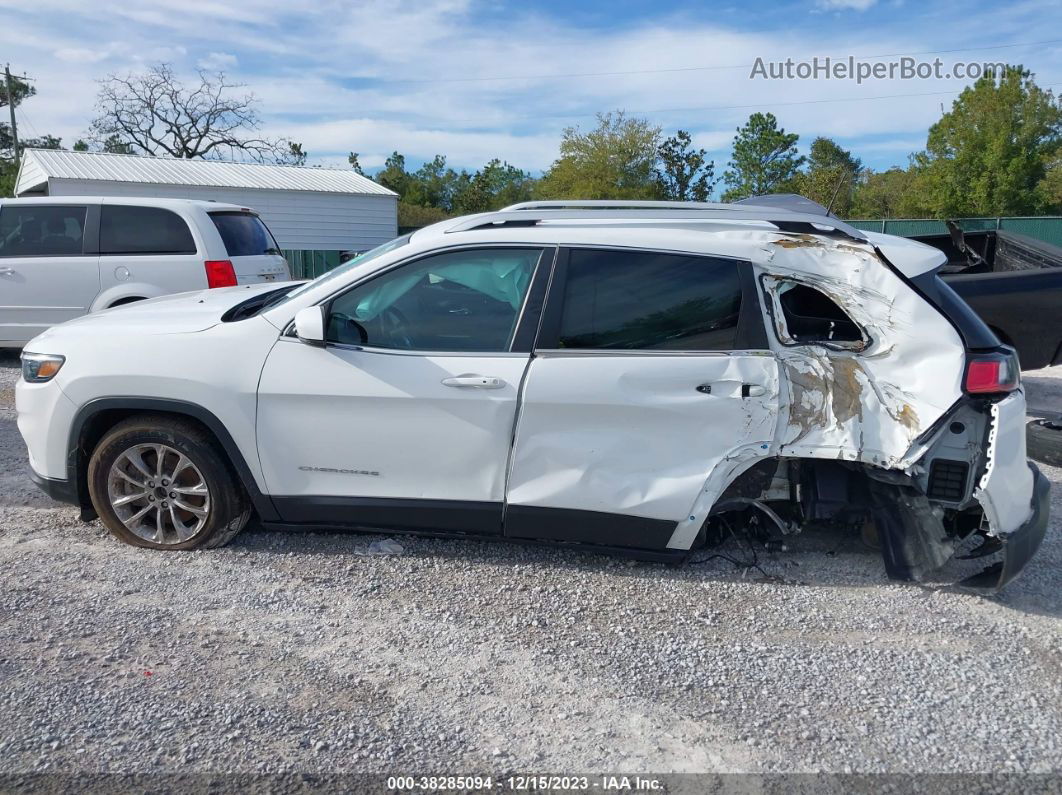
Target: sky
[(477, 79)]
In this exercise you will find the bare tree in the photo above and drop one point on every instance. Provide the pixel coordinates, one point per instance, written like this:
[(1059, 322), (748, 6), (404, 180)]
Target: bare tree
[(155, 113)]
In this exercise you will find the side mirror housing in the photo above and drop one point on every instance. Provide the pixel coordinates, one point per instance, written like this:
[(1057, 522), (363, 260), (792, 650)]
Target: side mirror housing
[(310, 325)]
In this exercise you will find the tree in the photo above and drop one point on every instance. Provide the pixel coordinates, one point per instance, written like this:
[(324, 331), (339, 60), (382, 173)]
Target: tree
[(116, 146), (435, 185), (895, 193), (295, 156), (830, 178), (20, 91), (683, 172), (393, 175), (352, 158), (988, 155), (764, 155), (616, 160), (496, 185), (155, 113), (1050, 187)]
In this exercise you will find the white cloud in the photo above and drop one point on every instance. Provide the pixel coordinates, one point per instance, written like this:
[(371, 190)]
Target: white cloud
[(845, 5), (218, 61), (81, 55), (396, 74)]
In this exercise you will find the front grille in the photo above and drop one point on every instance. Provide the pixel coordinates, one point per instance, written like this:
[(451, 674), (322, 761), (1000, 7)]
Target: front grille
[(947, 480)]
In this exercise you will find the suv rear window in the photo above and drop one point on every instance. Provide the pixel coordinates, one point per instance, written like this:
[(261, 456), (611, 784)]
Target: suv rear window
[(646, 300), (143, 230), (244, 234)]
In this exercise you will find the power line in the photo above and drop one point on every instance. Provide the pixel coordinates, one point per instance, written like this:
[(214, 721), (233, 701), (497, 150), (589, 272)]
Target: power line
[(672, 70)]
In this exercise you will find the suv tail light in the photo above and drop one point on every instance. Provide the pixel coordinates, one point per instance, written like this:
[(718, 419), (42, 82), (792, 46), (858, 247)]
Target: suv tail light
[(992, 373), (220, 273)]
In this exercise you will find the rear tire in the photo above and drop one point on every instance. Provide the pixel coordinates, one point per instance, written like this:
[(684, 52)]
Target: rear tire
[(1044, 442), (161, 483)]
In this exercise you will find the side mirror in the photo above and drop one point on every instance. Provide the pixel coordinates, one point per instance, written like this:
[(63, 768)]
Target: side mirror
[(310, 325)]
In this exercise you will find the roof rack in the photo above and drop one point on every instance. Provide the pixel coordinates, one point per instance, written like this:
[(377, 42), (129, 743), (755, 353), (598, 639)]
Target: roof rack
[(536, 212)]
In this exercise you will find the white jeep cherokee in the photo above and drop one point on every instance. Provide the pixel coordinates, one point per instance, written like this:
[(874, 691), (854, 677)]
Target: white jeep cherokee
[(612, 374)]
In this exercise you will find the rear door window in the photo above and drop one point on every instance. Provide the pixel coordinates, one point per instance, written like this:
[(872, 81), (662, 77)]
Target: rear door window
[(37, 230), (634, 300), (143, 230), (244, 234)]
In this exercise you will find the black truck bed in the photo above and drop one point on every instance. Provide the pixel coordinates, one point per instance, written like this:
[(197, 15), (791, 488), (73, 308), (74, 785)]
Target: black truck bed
[(1014, 283)]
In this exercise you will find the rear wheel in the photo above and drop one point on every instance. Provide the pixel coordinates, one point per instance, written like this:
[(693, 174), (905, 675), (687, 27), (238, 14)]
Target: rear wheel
[(161, 483)]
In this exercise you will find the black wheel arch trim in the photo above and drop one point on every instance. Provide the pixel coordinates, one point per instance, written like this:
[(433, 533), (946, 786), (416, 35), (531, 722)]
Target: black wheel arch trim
[(77, 458)]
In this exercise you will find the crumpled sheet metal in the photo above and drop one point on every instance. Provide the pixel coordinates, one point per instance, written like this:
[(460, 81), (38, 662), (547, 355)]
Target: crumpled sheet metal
[(867, 406)]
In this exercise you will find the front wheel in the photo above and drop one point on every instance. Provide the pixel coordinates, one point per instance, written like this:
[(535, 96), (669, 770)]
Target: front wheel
[(161, 483)]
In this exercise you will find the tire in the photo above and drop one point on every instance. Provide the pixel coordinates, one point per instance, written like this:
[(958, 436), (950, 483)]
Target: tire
[(1043, 438), (202, 508)]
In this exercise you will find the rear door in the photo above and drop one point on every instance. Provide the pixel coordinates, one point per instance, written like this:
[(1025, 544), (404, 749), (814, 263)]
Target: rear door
[(251, 248), (146, 252), (45, 275), (650, 374)]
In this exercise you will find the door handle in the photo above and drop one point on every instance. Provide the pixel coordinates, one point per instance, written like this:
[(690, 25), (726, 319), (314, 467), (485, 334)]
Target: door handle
[(732, 389), (6, 271), (473, 381)]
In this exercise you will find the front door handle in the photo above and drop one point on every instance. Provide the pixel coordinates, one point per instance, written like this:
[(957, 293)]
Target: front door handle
[(6, 271), (473, 381)]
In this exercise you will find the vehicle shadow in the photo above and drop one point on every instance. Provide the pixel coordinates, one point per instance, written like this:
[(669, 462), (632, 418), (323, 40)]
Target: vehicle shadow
[(815, 558)]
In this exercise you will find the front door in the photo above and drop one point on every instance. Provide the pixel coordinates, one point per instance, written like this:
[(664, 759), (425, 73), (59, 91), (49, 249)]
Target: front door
[(405, 419), (643, 385), (45, 278)]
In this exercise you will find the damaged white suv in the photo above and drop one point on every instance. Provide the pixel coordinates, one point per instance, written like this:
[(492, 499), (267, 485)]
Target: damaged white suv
[(613, 374)]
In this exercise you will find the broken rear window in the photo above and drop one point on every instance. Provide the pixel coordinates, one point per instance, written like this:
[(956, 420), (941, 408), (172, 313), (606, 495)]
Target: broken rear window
[(809, 316)]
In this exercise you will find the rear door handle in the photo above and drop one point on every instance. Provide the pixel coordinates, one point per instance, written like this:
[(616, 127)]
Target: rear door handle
[(732, 389), (6, 271), (473, 381)]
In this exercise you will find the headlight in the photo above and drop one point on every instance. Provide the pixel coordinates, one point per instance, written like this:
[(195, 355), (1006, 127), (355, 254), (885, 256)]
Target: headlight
[(40, 367)]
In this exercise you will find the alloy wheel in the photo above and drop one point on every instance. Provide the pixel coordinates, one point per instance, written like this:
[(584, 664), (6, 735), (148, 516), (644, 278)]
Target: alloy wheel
[(158, 493)]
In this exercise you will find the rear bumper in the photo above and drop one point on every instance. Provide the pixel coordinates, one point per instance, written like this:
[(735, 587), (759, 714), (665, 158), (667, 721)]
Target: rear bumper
[(1022, 544), (58, 489)]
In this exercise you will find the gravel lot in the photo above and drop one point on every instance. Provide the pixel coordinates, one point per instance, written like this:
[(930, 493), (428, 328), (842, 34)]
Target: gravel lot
[(298, 653)]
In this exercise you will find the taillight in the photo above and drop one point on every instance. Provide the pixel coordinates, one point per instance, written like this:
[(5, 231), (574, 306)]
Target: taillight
[(992, 373), (220, 273)]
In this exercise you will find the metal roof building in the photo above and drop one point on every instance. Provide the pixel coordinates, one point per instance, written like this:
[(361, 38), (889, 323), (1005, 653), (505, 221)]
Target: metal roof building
[(306, 208)]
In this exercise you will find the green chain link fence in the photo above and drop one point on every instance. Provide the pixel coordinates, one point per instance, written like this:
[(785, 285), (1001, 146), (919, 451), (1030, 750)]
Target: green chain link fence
[(1046, 227)]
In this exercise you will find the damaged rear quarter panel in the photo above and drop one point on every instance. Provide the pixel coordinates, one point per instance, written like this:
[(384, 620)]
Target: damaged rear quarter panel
[(866, 405), (870, 405)]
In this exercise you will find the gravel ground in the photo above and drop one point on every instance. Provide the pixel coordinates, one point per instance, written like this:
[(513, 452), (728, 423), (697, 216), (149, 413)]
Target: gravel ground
[(298, 653)]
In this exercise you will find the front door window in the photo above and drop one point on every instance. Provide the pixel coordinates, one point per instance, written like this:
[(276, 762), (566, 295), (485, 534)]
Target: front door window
[(457, 301)]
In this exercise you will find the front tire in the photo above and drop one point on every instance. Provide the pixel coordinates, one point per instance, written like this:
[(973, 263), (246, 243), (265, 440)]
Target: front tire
[(161, 483)]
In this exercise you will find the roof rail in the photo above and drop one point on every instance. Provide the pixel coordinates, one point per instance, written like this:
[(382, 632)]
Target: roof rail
[(615, 204), (533, 213)]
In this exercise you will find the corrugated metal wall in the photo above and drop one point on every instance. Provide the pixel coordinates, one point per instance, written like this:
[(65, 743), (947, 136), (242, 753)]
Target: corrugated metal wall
[(298, 219), (1046, 228)]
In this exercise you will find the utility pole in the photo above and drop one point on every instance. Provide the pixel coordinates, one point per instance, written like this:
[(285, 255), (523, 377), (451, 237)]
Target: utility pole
[(11, 107)]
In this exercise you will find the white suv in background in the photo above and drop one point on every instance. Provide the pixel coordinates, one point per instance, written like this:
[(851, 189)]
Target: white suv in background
[(62, 257), (618, 376)]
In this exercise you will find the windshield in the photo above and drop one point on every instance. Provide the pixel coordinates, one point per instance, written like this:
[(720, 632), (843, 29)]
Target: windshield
[(346, 267)]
